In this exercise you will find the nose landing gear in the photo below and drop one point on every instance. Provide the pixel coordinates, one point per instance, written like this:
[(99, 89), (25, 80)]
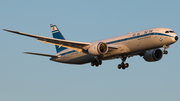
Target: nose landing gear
[(165, 51)]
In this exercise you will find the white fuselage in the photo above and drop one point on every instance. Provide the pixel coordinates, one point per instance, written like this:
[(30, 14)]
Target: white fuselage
[(129, 44)]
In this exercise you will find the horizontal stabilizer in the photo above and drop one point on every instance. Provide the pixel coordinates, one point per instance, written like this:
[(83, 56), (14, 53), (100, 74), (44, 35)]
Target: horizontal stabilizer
[(47, 55)]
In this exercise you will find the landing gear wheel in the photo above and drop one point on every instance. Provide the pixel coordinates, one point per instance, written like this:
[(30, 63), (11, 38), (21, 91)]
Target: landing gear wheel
[(123, 68), (119, 66), (100, 62), (96, 64), (126, 65), (92, 64), (165, 52)]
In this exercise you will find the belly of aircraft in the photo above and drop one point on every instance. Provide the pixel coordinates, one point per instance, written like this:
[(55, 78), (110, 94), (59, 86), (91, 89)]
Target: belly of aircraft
[(80, 58)]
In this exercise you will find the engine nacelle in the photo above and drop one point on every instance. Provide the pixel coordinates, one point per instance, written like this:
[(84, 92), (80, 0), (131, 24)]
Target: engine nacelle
[(99, 48), (153, 55)]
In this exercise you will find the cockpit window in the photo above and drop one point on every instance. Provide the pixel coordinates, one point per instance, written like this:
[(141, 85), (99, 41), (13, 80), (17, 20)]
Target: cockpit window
[(169, 32)]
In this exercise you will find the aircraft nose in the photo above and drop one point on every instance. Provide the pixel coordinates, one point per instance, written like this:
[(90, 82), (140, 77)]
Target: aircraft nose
[(176, 38)]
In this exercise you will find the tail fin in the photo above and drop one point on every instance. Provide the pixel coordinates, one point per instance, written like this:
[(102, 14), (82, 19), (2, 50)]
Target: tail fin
[(57, 34)]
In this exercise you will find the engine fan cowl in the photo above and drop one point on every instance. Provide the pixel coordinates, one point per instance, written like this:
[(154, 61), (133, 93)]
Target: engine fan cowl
[(99, 48), (153, 55)]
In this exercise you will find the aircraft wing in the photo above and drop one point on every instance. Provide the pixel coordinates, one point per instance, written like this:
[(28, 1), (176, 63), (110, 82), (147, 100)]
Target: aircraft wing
[(65, 43), (78, 46)]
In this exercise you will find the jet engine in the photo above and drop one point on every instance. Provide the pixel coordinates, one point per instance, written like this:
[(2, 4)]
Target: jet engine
[(153, 55), (99, 48)]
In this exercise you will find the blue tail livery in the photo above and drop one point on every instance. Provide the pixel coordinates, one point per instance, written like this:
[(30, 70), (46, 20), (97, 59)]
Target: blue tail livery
[(58, 35)]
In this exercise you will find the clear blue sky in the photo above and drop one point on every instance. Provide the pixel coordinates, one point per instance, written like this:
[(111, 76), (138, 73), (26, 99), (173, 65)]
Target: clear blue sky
[(33, 78)]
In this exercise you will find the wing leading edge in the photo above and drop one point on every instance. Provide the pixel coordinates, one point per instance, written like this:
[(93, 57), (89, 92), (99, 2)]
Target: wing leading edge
[(65, 43)]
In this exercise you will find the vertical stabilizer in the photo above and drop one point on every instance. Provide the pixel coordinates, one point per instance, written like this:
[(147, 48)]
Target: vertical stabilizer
[(57, 34)]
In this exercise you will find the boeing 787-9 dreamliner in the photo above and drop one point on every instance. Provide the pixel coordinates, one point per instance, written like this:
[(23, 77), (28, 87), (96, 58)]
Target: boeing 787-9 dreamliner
[(144, 43)]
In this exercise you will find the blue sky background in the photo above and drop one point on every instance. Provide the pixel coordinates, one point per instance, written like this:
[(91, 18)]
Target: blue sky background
[(34, 78)]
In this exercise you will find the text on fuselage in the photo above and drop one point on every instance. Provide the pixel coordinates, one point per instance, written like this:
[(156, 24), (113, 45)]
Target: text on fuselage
[(142, 33)]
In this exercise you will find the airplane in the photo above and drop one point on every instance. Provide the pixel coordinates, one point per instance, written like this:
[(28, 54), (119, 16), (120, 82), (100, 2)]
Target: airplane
[(146, 43)]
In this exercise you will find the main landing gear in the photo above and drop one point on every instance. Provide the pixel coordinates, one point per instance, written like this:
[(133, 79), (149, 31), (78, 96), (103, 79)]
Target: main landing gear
[(165, 51), (123, 65), (96, 63)]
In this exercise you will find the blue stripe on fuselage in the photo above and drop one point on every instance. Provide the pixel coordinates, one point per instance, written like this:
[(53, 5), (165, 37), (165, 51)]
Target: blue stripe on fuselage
[(116, 41), (139, 36), (67, 53)]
